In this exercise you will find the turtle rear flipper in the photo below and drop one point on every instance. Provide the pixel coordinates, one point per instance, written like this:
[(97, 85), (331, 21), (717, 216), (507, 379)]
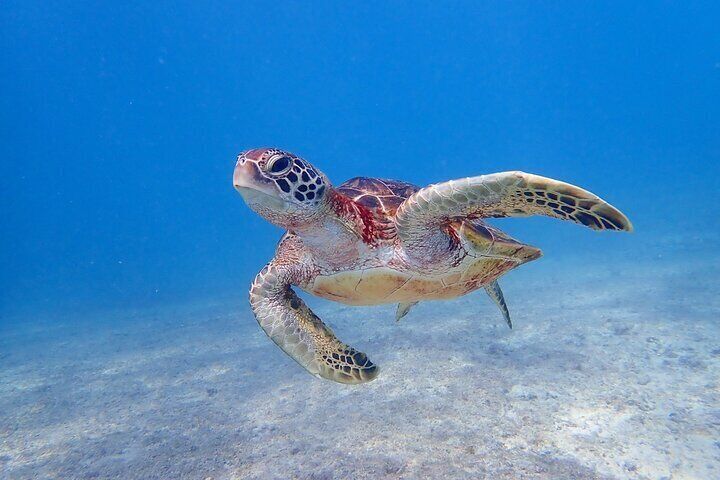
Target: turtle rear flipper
[(487, 241), (494, 292), (402, 309), (288, 321), (506, 194)]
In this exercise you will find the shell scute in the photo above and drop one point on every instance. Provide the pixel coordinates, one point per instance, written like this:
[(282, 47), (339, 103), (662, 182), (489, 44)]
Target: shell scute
[(380, 195)]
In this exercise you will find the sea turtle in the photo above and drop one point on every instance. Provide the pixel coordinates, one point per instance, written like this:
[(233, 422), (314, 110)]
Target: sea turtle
[(372, 241)]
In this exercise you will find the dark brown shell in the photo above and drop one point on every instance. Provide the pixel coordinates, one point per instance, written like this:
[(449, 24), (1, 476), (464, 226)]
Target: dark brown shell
[(381, 195)]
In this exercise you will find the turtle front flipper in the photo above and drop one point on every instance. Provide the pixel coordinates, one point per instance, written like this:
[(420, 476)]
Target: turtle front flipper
[(423, 216), (300, 333)]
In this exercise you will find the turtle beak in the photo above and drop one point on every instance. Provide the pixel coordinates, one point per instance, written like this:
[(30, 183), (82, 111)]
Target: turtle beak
[(253, 187), (247, 176), (242, 175)]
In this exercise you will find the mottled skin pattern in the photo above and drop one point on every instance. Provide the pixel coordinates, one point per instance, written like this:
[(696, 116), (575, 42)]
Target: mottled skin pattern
[(372, 241)]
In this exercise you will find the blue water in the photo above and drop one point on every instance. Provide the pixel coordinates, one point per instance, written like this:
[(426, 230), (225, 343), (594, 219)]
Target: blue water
[(120, 126)]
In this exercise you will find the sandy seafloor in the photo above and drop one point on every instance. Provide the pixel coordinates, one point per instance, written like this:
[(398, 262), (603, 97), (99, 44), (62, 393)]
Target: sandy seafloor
[(612, 371)]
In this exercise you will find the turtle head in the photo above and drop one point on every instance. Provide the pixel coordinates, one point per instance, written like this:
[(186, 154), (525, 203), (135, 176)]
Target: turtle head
[(281, 187)]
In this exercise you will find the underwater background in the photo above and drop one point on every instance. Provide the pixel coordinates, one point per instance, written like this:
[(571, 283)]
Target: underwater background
[(127, 346)]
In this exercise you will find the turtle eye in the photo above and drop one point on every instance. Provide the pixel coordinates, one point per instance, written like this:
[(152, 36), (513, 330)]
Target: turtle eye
[(279, 165)]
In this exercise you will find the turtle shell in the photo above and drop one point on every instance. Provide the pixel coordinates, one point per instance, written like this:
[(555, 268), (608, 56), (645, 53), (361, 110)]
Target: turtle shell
[(384, 196), (495, 253), (380, 195)]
